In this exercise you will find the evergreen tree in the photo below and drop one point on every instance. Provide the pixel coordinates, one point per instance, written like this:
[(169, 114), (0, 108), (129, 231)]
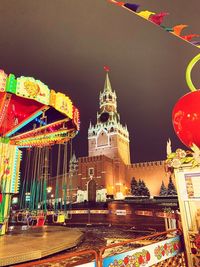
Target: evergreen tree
[(163, 190), (147, 192), (140, 188), (134, 187), (171, 190), (144, 189)]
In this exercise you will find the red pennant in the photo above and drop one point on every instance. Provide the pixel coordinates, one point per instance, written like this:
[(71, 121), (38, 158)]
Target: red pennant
[(158, 18), (189, 36), (120, 3), (117, 3)]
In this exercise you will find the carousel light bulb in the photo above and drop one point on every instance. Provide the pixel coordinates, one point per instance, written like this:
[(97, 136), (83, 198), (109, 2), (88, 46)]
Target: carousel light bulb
[(49, 189)]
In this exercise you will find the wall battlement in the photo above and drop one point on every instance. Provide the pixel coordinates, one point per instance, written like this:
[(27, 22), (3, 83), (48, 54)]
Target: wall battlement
[(93, 158), (147, 164)]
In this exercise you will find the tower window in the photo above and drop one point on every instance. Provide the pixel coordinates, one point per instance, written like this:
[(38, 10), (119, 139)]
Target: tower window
[(90, 171)]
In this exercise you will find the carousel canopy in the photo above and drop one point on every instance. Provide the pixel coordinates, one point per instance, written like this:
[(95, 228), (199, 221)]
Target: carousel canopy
[(31, 114)]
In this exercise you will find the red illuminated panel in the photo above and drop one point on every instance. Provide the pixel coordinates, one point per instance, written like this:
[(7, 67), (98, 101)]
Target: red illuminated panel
[(18, 110)]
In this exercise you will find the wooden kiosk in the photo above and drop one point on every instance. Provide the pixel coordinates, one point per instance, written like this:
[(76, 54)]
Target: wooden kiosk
[(188, 189)]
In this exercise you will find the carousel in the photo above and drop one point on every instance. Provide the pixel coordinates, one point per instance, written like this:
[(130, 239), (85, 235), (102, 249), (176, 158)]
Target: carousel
[(33, 118)]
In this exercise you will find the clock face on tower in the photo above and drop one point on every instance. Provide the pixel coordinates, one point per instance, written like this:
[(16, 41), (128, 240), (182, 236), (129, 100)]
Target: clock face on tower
[(104, 117), (109, 108)]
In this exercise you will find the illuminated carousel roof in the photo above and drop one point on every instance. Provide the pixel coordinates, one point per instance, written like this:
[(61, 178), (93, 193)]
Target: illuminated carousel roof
[(31, 114)]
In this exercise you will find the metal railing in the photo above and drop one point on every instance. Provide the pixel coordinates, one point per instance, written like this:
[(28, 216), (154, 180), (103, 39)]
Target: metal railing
[(126, 246)]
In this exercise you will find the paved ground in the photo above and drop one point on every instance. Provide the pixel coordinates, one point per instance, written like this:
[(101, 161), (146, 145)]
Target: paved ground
[(95, 237), (35, 243)]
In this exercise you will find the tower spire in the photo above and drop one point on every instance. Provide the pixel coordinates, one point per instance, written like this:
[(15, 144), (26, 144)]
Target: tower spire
[(107, 84)]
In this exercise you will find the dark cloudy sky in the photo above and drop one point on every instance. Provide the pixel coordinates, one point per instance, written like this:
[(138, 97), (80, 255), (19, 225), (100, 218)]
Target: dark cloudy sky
[(66, 43)]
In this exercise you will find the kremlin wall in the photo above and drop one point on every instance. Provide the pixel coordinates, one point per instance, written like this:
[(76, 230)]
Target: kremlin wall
[(153, 173)]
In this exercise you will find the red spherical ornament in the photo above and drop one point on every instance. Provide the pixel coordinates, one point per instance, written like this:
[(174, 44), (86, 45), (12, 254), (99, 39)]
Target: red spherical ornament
[(186, 119)]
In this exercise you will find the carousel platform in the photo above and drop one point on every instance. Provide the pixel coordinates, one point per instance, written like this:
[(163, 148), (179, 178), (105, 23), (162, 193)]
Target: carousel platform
[(22, 245)]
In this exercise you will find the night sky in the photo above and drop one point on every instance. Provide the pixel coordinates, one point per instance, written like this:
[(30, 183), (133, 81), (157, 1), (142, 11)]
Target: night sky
[(66, 43)]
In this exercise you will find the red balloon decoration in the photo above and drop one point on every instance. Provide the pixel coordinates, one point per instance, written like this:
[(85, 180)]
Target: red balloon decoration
[(186, 113), (186, 118)]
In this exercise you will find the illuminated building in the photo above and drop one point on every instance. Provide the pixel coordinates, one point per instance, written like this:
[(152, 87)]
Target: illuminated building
[(108, 165)]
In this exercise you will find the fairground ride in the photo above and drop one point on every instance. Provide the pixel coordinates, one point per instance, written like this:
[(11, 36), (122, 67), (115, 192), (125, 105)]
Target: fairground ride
[(31, 115)]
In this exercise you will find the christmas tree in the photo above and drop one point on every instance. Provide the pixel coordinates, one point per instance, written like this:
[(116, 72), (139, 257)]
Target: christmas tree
[(163, 190), (144, 190), (171, 190), (134, 187), (140, 188)]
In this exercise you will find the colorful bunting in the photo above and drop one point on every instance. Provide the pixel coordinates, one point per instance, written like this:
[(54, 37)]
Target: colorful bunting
[(168, 29), (120, 3), (158, 19), (116, 3), (145, 14), (197, 43), (132, 7), (189, 37), (178, 29)]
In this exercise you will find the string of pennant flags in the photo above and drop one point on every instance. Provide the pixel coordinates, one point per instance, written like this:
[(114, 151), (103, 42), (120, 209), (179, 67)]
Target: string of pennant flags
[(157, 19)]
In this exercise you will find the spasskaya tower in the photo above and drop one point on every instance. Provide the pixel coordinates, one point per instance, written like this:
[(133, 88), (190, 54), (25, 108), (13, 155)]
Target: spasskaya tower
[(108, 137)]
